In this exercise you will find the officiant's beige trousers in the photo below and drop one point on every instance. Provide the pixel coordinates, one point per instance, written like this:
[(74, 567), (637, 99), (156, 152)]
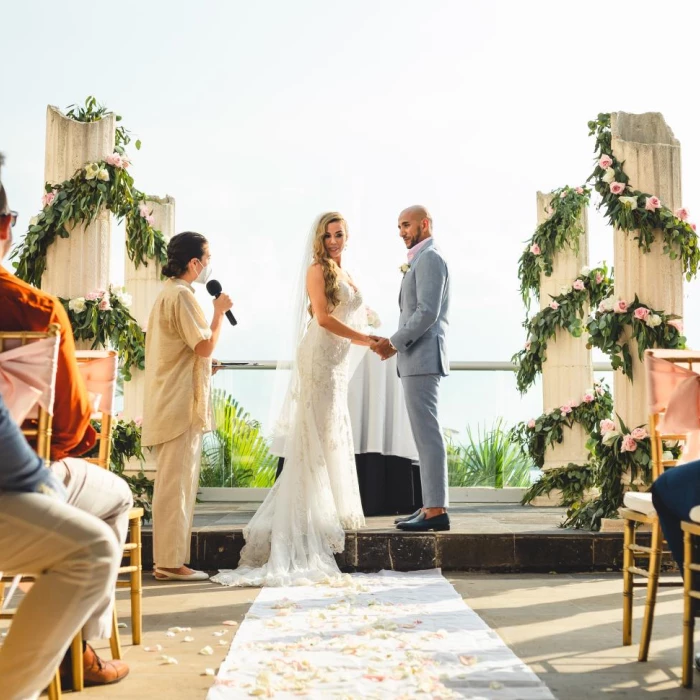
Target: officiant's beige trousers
[(75, 557), (174, 496)]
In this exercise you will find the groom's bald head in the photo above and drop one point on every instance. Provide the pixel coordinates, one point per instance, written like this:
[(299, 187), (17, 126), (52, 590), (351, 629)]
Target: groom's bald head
[(415, 225)]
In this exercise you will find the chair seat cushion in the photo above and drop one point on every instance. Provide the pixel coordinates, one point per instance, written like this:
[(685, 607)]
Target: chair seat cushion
[(695, 514), (641, 502)]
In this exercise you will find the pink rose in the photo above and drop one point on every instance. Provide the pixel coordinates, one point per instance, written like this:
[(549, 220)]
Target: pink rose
[(527, 345), (554, 305), (607, 426), (640, 434), (125, 162), (694, 227), (565, 409), (143, 210), (579, 190), (150, 220), (574, 404), (617, 187), (629, 444), (138, 421), (605, 161), (531, 424), (620, 306), (676, 323), (535, 249), (599, 277), (115, 159), (93, 296), (104, 305), (681, 213), (579, 286), (588, 398), (652, 203), (641, 313), (47, 199)]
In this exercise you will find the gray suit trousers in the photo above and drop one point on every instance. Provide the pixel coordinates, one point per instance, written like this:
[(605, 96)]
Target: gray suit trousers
[(421, 394)]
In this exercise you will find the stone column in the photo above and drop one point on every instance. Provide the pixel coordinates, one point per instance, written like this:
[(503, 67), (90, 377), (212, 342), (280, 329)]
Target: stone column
[(144, 284), (652, 161), (568, 370), (80, 263)]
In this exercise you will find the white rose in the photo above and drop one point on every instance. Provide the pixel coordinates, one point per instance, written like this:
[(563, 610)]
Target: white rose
[(585, 270), (609, 176), (124, 298), (630, 202), (34, 221), (667, 456), (565, 290), (653, 320), (91, 171), (103, 175), (77, 305), (608, 304)]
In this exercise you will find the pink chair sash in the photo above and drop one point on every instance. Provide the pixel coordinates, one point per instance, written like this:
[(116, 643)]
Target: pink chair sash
[(100, 377), (28, 377), (677, 390)]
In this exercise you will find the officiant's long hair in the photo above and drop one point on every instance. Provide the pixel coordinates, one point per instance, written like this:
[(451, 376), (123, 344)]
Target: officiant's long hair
[(320, 256)]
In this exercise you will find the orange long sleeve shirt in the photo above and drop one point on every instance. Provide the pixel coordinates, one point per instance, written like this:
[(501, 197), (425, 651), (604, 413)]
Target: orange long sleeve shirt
[(25, 308)]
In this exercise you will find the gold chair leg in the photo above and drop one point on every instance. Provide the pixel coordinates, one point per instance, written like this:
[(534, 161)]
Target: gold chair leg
[(76, 649), (627, 580), (54, 689), (688, 618), (652, 588), (114, 641), (136, 577)]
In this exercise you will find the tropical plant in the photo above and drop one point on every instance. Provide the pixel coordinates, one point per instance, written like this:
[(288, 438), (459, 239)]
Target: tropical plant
[(493, 459), (236, 454)]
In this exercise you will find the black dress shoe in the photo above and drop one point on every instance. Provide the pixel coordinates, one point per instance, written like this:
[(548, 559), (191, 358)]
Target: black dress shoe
[(423, 524), (406, 518)]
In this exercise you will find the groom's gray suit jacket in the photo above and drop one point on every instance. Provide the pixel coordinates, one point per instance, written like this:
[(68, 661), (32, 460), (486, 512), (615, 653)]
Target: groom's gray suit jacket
[(424, 302)]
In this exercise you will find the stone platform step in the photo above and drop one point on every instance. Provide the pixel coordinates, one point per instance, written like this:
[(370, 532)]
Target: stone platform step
[(486, 538)]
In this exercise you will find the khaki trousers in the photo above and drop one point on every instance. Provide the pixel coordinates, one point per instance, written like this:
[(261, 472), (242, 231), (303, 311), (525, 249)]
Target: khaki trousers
[(174, 496), (106, 496), (75, 557)]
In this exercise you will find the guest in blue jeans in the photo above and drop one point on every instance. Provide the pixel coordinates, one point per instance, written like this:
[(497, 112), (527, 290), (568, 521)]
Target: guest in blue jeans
[(674, 494)]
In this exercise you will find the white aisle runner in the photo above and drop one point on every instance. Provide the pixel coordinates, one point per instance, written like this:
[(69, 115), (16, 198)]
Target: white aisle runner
[(387, 635)]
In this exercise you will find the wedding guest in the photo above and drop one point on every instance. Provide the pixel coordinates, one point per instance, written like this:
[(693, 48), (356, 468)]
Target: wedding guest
[(179, 346), (74, 555), (90, 488)]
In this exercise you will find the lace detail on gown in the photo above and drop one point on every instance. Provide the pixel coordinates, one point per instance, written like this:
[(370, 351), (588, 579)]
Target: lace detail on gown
[(294, 534)]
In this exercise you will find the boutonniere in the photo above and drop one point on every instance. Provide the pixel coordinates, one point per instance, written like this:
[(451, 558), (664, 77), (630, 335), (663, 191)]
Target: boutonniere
[(404, 269)]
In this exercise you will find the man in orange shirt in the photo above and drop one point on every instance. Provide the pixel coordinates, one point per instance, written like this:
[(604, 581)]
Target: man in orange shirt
[(89, 488)]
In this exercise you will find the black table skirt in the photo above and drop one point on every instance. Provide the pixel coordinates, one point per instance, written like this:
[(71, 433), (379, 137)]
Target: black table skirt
[(388, 485)]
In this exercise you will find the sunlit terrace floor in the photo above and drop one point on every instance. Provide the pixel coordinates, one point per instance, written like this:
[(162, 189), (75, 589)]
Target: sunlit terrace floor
[(566, 627)]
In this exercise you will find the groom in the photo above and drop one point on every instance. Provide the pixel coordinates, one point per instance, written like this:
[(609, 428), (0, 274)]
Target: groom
[(422, 361)]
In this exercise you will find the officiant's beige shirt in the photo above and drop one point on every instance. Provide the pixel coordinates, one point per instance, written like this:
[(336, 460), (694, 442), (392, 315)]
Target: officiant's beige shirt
[(177, 379)]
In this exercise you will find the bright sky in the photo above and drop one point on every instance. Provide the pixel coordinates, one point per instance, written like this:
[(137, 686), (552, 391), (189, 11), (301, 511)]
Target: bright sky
[(258, 116)]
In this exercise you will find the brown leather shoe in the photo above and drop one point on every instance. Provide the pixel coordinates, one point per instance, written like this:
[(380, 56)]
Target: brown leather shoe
[(100, 672)]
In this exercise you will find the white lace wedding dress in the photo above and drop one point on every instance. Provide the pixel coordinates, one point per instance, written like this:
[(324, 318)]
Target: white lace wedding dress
[(300, 525)]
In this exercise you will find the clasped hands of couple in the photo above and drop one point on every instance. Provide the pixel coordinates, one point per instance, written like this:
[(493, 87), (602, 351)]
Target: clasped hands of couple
[(382, 346)]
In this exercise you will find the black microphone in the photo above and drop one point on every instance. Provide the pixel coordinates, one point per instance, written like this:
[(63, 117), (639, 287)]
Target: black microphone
[(214, 288)]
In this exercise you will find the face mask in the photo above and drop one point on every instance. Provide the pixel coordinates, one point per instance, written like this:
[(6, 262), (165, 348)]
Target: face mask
[(204, 275)]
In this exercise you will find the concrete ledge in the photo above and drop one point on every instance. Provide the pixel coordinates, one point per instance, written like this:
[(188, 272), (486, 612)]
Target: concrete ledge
[(568, 551)]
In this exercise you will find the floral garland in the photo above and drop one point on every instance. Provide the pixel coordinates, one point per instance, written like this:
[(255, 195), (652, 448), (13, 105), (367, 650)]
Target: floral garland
[(566, 311), (538, 434), (632, 210), (79, 200), (574, 481), (562, 229), (607, 330), (103, 317)]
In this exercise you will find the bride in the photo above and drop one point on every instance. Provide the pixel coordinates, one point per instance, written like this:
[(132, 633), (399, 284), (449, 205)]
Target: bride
[(294, 534)]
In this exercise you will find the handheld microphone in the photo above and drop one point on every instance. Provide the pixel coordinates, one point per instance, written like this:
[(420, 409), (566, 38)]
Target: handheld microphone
[(214, 288)]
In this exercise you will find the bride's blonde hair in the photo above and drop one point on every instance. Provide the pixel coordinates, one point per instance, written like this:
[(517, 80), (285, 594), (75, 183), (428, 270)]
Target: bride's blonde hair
[(320, 256)]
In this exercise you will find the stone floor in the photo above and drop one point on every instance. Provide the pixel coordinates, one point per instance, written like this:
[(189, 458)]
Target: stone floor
[(566, 627)]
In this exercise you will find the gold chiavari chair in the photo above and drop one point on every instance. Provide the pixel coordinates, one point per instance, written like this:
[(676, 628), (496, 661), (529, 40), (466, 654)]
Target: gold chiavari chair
[(638, 508), (99, 371)]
